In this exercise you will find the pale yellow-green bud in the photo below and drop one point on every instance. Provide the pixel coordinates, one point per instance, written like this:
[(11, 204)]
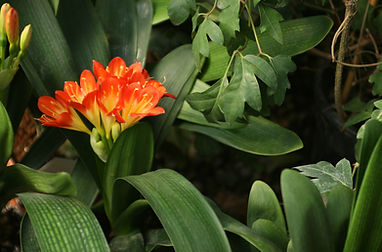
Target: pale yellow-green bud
[(98, 145), (115, 131), (25, 37), (4, 9)]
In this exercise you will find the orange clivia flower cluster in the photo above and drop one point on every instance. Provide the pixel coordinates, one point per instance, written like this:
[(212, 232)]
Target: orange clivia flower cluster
[(113, 99)]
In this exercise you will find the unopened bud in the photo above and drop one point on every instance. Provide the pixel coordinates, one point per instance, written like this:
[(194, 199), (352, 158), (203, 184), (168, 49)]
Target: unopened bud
[(115, 131), (25, 38), (12, 26), (4, 9), (98, 146)]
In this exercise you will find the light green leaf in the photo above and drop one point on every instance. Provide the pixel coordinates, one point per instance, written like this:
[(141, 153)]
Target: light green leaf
[(263, 70), (179, 10), (263, 204), (160, 11), (229, 19), (19, 178), (326, 176), (270, 22), (200, 42), (376, 79), (269, 230), (6, 136), (305, 214), (365, 226), (189, 221), (260, 136), (63, 224)]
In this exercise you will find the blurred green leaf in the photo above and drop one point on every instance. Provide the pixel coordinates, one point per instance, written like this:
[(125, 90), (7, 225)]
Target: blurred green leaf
[(263, 70), (263, 204), (6, 137), (87, 189), (308, 223), (326, 176), (179, 10), (132, 154), (364, 233), (132, 242), (260, 136), (282, 65), (338, 207), (145, 19), (187, 218), (19, 178), (160, 11), (43, 148), (155, 238), (62, 223), (131, 217), (177, 71), (83, 31), (229, 19), (269, 230), (28, 240), (270, 22), (216, 64), (376, 79), (200, 41), (234, 226)]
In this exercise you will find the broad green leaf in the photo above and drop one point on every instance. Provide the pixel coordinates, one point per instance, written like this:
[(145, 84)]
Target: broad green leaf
[(200, 41), (299, 35), (189, 221), (28, 240), (263, 204), (338, 207), (87, 189), (269, 230), (132, 154), (263, 70), (308, 223), (364, 233), (234, 226), (177, 71), (282, 65), (83, 31), (160, 11), (48, 62), (43, 148), (131, 218), (270, 22), (155, 238), (229, 19), (19, 178), (376, 79), (63, 224), (179, 10), (357, 118), (128, 27), (132, 242), (6, 136), (217, 62), (260, 136), (326, 176)]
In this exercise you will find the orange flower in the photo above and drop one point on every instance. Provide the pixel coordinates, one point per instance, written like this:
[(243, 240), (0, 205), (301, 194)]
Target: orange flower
[(114, 100)]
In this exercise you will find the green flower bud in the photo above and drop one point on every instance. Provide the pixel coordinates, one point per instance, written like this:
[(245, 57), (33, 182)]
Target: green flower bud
[(25, 37), (115, 131), (98, 146), (4, 9)]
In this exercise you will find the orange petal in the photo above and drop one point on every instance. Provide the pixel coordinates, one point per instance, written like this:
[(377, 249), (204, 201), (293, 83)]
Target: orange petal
[(108, 94), (99, 70), (50, 106), (117, 67), (152, 112), (87, 82), (74, 91)]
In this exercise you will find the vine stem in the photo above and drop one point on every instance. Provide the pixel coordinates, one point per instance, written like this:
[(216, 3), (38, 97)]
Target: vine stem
[(344, 28)]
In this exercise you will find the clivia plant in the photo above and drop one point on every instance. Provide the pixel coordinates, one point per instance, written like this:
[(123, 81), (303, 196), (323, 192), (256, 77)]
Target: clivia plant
[(86, 66)]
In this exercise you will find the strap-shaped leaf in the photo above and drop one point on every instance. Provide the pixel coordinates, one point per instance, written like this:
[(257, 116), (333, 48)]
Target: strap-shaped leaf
[(365, 224), (83, 31), (132, 154), (305, 213), (6, 136), (263, 204), (19, 178), (186, 216), (177, 71), (87, 189), (63, 223), (28, 238)]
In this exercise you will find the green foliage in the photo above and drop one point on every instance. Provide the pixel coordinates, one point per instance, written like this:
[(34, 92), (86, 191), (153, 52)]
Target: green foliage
[(270, 22), (326, 176), (179, 10), (6, 137)]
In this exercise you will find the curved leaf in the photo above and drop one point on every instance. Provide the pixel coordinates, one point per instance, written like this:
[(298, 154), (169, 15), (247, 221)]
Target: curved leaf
[(87, 189), (28, 240), (19, 178), (6, 136), (155, 238), (305, 213), (272, 232), (132, 242), (187, 218), (63, 224), (160, 11), (260, 136)]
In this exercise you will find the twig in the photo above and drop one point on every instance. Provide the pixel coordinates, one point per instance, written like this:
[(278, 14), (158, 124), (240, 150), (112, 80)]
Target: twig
[(373, 42), (344, 28), (359, 65)]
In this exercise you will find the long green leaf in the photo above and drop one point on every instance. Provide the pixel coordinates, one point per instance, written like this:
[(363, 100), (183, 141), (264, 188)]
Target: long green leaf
[(19, 178), (83, 31), (177, 71), (128, 27), (43, 148), (184, 213), (155, 238), (263, 204), (87, 189), (269, 230), (48, 62), (132, 242), (259, 136), (27, 236), (305, 213), (132, 154), (63, 224), (6, 136), (364, 233)]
